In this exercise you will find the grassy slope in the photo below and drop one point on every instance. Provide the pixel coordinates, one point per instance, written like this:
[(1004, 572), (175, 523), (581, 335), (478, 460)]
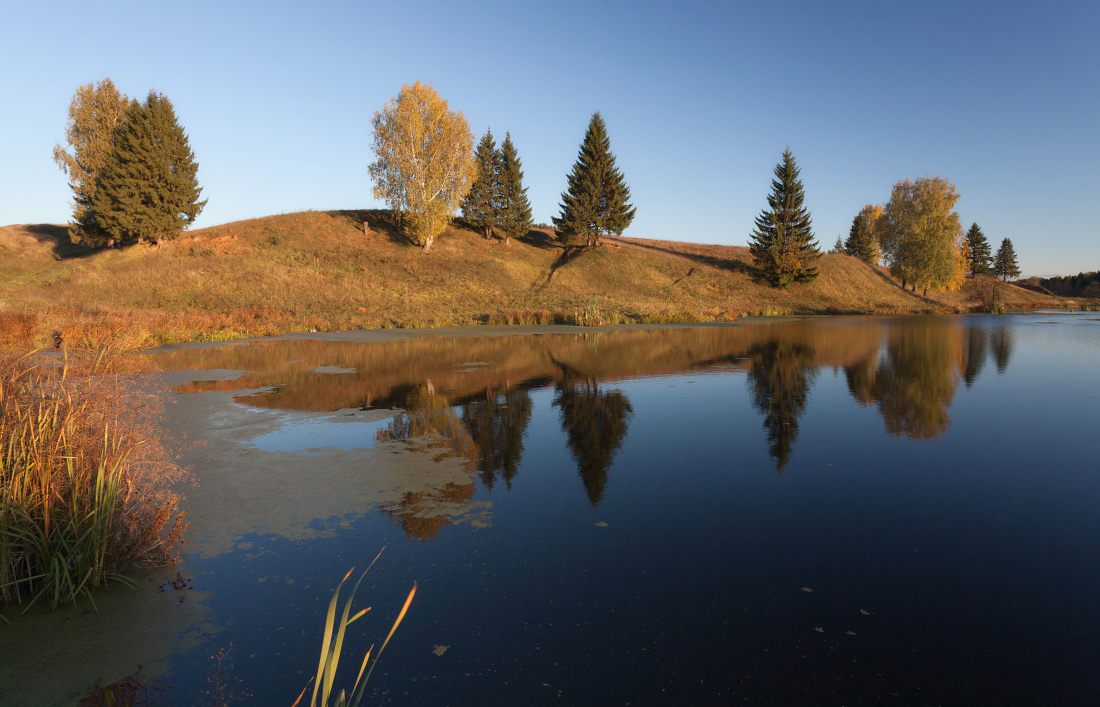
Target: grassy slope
[(318, 270)]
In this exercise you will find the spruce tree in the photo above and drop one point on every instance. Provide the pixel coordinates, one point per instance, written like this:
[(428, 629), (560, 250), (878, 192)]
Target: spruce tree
[(515, 209), (979, 255), (148, 190), (1004, 263), (480, 207), (597, 201), (862, 242), (782, 244)]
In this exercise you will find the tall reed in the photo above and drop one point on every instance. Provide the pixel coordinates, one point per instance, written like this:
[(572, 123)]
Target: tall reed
[(84, 480)]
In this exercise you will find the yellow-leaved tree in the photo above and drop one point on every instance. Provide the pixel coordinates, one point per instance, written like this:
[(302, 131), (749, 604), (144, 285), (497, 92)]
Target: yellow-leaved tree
[(923, 240), (96, 115), (425, 162)]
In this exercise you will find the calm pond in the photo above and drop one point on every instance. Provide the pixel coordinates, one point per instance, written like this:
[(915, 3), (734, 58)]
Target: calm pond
[(824, 511)]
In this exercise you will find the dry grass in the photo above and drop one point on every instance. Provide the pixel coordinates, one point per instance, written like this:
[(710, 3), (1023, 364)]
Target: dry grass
[(83, 481), (319, 271)]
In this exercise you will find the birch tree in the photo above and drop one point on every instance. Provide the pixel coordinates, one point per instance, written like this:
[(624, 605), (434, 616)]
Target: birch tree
[(425, 162)]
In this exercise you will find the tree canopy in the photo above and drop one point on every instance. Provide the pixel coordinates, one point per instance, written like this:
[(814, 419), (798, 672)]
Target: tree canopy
[(922, 238), (782, 244), (147, 189), (1004, 263), (96, 115), (597, 200), (425, 162)]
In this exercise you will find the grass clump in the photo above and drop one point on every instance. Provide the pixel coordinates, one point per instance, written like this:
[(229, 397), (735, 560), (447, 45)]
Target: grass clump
[(84, 492), (332, 644)]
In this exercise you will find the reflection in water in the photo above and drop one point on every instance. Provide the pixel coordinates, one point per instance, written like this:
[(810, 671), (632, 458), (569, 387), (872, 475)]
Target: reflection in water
[(595, 424), (428, 414), (914, 384), (977, 343), (1001, 342), (780, 375), (497, 425)]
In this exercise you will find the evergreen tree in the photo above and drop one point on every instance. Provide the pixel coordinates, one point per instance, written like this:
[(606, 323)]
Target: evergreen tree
[(782, 244), (515, 209), (597, 200), (979, 254), (148, 190), (481, 206), (96, 114), (862, 237), (1004, 263), (838, 247)]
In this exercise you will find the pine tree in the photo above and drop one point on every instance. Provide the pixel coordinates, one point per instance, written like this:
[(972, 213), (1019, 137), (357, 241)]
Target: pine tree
[(1004, 263), (979, 255), (597, 200), (481, 206), (515, 209), (782, 244), (862, 238), (148, 190)]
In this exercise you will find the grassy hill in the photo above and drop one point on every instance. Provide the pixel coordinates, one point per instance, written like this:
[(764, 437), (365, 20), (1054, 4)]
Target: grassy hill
[(320, 270)]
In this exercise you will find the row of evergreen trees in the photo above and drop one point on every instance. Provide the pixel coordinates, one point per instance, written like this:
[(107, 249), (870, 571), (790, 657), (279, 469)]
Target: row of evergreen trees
[(497, 200), (131, 168), (1002, 265)]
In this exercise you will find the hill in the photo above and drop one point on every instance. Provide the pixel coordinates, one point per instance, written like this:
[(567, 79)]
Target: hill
[(320, 271)]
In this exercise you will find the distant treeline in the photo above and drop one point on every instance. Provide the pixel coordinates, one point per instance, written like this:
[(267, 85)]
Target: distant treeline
[(1084, 284)]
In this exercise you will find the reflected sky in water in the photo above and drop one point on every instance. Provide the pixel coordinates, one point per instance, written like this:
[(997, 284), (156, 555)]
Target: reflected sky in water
[(805, 512)]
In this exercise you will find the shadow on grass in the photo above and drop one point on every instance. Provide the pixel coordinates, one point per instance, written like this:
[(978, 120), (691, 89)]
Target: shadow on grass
[(539, 238), (568, 255), (57, 237), (379, 221), (710, 260)]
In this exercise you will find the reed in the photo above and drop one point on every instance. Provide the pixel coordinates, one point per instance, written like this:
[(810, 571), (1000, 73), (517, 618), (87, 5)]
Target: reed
[(332, 644), (84, 492)]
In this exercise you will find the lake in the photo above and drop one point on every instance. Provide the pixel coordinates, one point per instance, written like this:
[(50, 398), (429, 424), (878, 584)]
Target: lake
[(816, 511)]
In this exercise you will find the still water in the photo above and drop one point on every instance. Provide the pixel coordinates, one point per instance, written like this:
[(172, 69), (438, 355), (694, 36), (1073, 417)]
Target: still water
[(828, 511)]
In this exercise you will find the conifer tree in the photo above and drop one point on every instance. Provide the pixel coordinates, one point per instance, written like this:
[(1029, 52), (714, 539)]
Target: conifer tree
[(1004, 263), (481, 206), (597, 201), (782, 244), (862, 238), (515, 209), (979, 253), (148, 190), (96, 114)]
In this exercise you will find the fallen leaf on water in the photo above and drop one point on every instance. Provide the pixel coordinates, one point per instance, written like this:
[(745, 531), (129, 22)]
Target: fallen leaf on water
[(806, 589), (865, 612), (819, 629), (601, 524), (440, 650), (851, 633)]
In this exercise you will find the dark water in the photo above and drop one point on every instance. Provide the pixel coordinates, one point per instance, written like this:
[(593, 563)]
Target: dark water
[(880, 511)]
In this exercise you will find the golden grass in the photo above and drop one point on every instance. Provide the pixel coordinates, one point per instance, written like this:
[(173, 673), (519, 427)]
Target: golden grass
[(319, 271), (83, 480)]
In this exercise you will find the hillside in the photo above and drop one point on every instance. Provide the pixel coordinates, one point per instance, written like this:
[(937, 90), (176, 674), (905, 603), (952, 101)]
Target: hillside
[(319, 270)]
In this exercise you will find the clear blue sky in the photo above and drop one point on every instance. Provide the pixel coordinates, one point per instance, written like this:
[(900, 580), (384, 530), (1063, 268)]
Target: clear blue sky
[(700, 99)]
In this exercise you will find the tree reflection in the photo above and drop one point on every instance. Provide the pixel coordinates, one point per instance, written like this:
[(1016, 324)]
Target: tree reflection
[(977, 343), (915, 383), (1001, 341), (423, 513), (497, 425), (595, 423), (780, 375)]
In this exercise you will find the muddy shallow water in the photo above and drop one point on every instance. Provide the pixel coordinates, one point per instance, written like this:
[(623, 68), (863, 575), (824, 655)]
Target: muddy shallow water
[(821, 511)]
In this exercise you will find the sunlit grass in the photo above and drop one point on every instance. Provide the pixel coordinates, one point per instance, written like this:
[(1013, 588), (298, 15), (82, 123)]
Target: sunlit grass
[(83, 480), (325, 693)]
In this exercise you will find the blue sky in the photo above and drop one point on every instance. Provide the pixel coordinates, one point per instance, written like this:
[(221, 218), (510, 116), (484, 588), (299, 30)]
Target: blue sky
[(700, 99)]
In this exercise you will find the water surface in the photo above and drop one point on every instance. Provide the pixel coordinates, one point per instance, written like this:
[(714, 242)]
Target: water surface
[(798, 512)]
